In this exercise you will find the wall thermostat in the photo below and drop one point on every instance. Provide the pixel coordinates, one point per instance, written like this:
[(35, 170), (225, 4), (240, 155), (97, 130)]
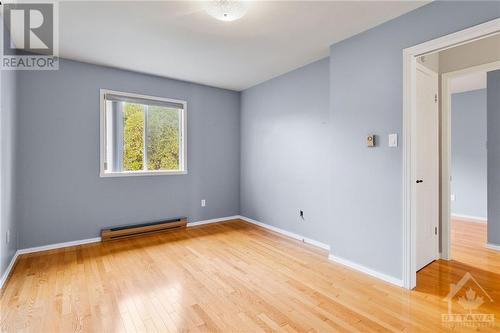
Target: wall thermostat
[(370, 140)]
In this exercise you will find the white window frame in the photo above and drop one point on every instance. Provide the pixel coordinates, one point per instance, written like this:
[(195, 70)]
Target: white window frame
[(102, 138)]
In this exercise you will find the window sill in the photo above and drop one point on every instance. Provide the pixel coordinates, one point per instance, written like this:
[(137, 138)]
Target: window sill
[(141, 173)]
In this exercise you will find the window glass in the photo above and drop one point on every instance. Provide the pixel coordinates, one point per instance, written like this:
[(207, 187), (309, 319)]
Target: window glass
[(141, 134)]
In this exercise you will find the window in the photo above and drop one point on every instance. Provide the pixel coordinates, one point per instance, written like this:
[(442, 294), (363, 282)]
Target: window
[(141, 135)]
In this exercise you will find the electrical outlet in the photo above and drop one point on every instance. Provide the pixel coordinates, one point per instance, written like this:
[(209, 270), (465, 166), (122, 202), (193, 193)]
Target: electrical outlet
[(7, 236), (301, 214), (203, 203), (453, 197)]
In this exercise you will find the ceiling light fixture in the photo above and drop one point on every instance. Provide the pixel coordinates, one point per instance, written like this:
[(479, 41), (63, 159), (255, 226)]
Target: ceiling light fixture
[(227, 10)]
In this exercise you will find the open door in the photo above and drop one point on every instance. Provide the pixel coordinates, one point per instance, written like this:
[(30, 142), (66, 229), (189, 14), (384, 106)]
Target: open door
[(427, 167)]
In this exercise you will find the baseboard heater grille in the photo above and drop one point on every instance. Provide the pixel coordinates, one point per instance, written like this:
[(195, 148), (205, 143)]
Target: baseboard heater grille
[(132, 230)]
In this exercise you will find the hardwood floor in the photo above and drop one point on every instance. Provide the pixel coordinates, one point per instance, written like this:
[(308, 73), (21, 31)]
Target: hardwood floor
[(469, 255), (231, 277)]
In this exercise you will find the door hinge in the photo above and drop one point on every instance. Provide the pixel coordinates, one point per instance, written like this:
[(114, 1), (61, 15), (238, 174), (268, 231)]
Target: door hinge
[(435, 230), (435, 98)]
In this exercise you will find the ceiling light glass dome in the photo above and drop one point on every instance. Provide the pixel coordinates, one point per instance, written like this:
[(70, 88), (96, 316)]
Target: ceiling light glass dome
[(226, 10)]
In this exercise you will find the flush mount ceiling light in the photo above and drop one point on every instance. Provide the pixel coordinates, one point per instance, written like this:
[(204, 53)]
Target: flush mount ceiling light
[(227, 10)]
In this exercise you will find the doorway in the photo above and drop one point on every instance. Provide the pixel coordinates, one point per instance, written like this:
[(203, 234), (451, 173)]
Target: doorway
[(468, 177), (413, 198)]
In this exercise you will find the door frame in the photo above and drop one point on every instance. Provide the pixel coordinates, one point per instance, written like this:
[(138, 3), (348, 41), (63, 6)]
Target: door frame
[(409, 137), (446, 148)]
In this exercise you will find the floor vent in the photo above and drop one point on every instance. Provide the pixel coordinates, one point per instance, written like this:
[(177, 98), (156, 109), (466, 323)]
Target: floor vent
[(132, 230)]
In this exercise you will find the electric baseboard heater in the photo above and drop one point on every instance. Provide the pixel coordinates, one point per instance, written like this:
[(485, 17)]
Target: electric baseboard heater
[(133, 230)]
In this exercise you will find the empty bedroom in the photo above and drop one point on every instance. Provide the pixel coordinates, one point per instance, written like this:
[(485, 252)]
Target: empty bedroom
[(249, 166)]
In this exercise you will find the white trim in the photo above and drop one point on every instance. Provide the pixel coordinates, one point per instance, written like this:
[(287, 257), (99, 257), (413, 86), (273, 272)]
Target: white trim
[(445, 168), (408, 242), (59, 245), (288, 233), (426, 70), (102, 134), (142, 173), (493, 247), (409, 111), (7, 272), (366, 270), (316, 243), (458, 38), (469, 218), (222, 219), (446, 151), (98, 239)]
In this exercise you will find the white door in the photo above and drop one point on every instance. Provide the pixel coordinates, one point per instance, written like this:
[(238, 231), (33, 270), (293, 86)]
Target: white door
[(427, 166)]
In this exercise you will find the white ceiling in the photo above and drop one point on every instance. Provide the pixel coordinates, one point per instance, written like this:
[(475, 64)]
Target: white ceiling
[(468, 82), (177, 39)]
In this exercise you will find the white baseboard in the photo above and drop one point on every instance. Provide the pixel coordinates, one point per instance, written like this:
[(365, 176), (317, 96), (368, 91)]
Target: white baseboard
[(493, 246), (85, 241), (469, 218), (6, 274), (366, 270), (193, 224), (98, 239), (321, 245), (288, 233), (59, 245)]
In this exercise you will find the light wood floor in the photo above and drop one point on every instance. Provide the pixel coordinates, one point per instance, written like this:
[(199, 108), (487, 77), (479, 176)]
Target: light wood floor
[(230, 277)]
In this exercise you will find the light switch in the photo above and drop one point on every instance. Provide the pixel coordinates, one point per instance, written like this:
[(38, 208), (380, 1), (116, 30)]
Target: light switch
[(393, 140)]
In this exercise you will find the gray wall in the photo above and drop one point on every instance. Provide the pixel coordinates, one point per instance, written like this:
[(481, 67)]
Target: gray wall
[(284, 151), (7, 169), (366, 97), (493, 87), (59, 193), (469, 154)]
